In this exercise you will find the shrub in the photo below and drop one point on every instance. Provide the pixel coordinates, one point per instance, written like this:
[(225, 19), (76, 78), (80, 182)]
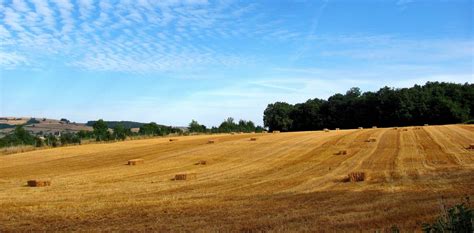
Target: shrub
[(455, 219)]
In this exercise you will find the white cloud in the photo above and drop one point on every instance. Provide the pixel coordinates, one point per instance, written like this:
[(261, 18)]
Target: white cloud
[(85, 8), (11, 60), (127, 36), (13, 20), (43, 9), (20, 5)]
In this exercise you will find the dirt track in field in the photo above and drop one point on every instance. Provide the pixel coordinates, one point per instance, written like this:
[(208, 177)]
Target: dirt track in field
[(280, 182)]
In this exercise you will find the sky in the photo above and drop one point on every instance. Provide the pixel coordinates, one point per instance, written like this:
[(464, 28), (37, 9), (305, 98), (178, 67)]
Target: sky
[(171, 61)]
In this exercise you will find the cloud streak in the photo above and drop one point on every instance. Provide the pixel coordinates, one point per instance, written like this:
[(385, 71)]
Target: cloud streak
[(129, 36)]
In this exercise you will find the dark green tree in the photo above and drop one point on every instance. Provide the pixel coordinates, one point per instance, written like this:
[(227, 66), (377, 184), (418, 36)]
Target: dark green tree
[(19, 136), (120, 132), (432, 103), (277, 116), (70, 138), (101, 131), (195, 127)]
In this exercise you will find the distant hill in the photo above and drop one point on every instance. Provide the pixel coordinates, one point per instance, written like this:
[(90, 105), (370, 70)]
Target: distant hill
[(112, 124), (40, 126)]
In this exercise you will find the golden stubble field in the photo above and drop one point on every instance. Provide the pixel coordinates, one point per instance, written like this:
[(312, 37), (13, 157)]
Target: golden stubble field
[(280, 182)]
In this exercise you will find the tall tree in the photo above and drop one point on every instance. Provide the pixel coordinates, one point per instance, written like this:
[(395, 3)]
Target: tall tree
[(277, 116), (120, 132), (195, 127), (101, 131)]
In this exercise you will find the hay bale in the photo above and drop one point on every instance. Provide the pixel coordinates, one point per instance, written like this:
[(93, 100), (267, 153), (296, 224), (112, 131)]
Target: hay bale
[(38, 183), (135, 161), (276, 131), (201, 162), (253, 139), (326, 130), (356, 176), (173, 139), (374, 127), (360, 127), (180, 177), (371, 140), (337, 129), (425, 124), (471, 146), (211, 141), (184, 176), (342, 152)]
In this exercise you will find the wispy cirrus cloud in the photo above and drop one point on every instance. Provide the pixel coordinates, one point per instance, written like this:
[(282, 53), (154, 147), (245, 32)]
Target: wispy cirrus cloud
[(12, 60), (130, 36)]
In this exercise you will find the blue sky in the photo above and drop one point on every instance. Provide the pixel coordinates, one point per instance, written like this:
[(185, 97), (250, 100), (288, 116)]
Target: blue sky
[(171, 61)]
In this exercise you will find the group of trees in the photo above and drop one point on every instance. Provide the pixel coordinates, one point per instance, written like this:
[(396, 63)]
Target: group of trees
[(119, 131), (100, 132), (432, 103), (153, 129), (20, 136), (226, 126)]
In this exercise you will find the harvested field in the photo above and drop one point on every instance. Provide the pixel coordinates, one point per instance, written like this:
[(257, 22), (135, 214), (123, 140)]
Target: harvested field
[(281, 182)]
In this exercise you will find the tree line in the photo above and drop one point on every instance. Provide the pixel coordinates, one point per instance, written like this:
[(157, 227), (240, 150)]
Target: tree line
[(227, 126), (432, 103), (102, 131)]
